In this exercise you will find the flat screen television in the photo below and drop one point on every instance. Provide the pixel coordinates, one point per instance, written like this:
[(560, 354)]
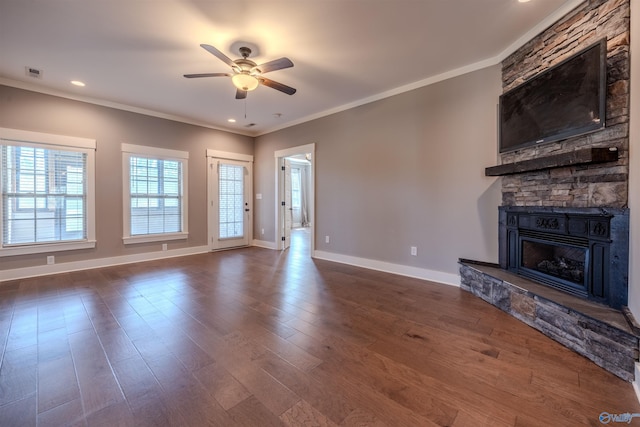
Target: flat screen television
[(565, 100)]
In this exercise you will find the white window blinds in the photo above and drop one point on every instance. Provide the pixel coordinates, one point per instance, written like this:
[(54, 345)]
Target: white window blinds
[(231, 181), (44, 195), (155, 196), (47, 187), (155, 183)]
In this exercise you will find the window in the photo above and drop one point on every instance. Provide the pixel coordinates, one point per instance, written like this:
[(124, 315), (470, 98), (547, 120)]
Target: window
[(295, 188), (154, 194), (231, 203), (47, 184)]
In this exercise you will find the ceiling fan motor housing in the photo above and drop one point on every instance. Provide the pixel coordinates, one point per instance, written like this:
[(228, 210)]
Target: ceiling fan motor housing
[(245, 65)]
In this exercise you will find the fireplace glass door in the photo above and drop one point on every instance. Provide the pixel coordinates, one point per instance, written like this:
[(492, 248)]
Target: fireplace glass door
[(558, 264)]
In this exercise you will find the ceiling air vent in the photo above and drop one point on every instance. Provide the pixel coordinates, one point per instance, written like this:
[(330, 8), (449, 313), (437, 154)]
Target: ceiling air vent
[(33, 72)]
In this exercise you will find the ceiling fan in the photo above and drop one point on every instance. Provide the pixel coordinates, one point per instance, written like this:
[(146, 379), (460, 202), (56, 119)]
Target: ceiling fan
[(246, 75)]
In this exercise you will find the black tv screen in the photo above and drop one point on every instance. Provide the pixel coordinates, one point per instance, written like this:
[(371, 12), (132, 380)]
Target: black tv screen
[(566, 100)]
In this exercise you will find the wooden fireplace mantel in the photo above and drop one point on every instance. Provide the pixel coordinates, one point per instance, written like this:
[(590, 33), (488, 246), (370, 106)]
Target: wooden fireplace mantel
[(579, 157)]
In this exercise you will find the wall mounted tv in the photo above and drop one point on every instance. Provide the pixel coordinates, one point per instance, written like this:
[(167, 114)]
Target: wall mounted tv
[(566, 100)]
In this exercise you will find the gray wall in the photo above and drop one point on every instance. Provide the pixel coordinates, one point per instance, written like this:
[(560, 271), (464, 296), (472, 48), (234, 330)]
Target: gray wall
[(404, 171), (21, 109)]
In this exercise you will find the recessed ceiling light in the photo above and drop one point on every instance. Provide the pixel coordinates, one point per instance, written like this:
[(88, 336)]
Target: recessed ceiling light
[(77, 83), (524, 1), (231, 120)]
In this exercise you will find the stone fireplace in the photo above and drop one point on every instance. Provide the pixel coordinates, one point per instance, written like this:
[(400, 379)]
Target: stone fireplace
[(564, 222)]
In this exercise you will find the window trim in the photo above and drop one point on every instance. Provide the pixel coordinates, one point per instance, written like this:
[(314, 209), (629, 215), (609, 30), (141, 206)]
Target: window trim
[(48, 141), (129, 150)]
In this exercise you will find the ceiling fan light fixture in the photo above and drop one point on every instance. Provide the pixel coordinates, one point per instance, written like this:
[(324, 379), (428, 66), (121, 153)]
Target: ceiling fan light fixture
[(246, 75), (244, 81)]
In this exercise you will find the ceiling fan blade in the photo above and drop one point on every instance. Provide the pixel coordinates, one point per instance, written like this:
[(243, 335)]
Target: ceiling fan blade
[(276, 64), (193, 76), (277, 86), (241, 94), (221, 56)]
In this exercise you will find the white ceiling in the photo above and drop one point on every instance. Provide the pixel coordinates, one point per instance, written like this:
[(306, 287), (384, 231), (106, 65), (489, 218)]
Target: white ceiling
[(133, 53)]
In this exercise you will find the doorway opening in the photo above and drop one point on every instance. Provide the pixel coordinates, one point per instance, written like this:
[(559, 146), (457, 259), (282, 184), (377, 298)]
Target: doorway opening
[(300, 241), (295, 209)]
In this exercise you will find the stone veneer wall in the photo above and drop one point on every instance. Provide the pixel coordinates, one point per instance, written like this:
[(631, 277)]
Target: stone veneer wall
[(584, 186), (600, 185)]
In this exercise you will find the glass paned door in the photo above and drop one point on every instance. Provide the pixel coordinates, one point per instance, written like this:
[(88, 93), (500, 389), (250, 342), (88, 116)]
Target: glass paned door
[(230, 204), (231, 201)]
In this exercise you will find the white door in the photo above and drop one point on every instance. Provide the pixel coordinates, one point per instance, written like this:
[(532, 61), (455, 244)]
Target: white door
[(231, 203), (286, 204)]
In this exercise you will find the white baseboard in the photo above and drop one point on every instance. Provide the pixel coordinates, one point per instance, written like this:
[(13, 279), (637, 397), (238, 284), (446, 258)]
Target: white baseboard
[(387, 267), (264, 244), (42, 270), (403, 270)]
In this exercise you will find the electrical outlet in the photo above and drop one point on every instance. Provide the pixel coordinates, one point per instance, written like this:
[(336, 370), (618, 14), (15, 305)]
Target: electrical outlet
[(51, 260), (414, 251), (326, 239), (262, 231), (164, 246)]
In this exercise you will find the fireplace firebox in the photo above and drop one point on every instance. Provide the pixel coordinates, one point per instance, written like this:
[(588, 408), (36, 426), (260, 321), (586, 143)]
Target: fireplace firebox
[(581, 251)]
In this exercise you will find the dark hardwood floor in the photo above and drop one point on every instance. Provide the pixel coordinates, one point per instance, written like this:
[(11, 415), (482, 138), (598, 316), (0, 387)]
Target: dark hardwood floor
[(256, 337)]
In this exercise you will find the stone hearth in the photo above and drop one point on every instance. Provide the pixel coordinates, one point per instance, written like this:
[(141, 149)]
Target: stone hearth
[(601, 334)]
